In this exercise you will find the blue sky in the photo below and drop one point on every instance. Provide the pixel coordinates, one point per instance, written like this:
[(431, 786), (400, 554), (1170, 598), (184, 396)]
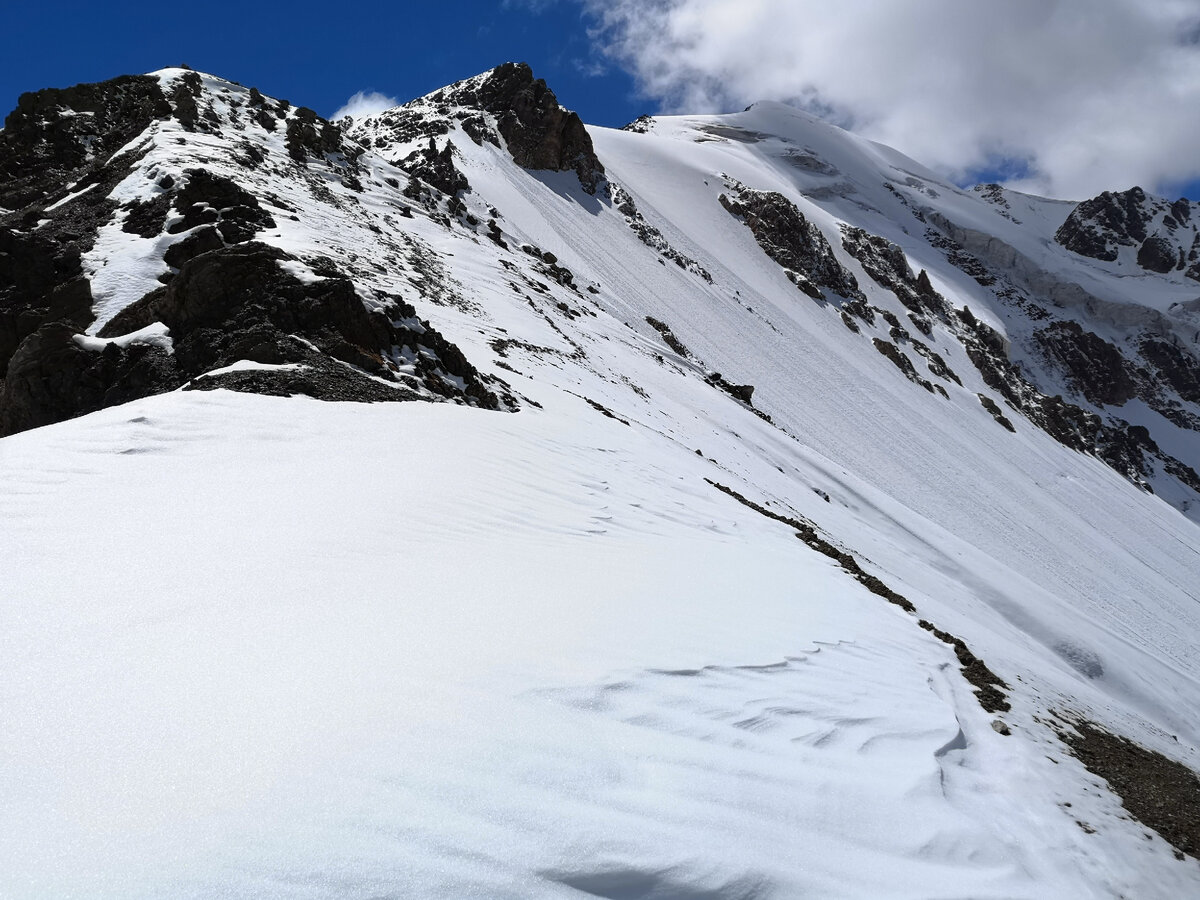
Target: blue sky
[(315, 54)]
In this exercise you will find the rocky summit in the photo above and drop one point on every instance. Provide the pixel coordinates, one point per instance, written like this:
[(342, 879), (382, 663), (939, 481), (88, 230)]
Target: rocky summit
[(463, 500)]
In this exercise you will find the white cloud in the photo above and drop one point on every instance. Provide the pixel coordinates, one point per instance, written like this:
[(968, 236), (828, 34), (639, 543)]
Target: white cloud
[(365, 103), (1080, 95)]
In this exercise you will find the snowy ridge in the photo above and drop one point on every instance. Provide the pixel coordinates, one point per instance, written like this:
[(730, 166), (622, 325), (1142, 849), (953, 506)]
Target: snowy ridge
[(424, 649)]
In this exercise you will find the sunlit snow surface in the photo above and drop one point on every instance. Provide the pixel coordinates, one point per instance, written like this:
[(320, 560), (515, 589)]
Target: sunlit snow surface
[(283, 648), (262, 647)]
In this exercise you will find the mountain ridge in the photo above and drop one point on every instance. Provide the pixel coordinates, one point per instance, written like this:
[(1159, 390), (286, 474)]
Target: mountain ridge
[(689, 342)]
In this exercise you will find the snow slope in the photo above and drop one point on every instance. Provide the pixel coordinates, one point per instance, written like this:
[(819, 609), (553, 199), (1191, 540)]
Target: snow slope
[(537, 657), (273, 647)]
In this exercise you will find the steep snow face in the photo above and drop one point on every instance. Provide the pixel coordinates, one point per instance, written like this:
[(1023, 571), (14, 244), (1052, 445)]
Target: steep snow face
[(536, 647)]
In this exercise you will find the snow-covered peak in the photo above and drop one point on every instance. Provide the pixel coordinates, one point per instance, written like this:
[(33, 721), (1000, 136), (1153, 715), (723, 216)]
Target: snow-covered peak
[(506, 104), (727, 483)]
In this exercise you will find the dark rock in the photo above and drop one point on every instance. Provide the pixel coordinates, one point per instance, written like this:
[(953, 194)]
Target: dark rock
[(740, 392), (147, 219), (238, 303), (990, 405), (309, 133), (960, 258), (641, 125), (318, 377), (539, 133), (1115, 443), (989, 688), (202, 186), (1174, 365), (40, 281), (436, 168), (924, 285), (45, 144), (264, 117), (669, 337), (901, 362), (792, 241), (937, 365), (218, 211), (604, 410), (477, 130), (887, 266), (1157, 791), (193, 217), (1096, 227), (808, 533), (229, 304), (651, 236), (1096, 368), (202, 240), (51, 378), (1158, 255), (184, 95)]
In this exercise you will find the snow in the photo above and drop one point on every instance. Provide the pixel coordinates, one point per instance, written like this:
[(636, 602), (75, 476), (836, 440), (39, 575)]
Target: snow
[(300, 271), (155, 334), (68, 198), (315, 649), (248, 365), (682, 697)]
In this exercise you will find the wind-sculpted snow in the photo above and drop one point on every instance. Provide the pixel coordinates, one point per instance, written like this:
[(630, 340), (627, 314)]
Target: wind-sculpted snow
[(822, 511)]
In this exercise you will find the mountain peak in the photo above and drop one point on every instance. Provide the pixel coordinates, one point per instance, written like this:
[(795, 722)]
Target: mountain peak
[(506, 102), (787, 408)]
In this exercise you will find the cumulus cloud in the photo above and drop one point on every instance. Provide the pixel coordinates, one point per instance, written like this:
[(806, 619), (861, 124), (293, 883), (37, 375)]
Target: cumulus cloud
[(365, 103), (1071, 97)]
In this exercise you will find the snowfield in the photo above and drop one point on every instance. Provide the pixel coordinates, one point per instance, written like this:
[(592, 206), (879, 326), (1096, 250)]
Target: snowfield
[(274, 647), (341, 650)]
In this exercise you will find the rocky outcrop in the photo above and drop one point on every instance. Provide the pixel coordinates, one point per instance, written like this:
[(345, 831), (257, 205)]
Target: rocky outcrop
[(538, 132), (990, 405), (792, 241), (1157, 254), (40, 281), (1163, 232), (651, 236), (643, 124), (1096, 227), (217, 212), (56, 151), (886, 265), (903, 363), (56, 133), (1126, 448), (1174, 366), (1095, 367), (53, 377), (245, 302), (308, 134), (428, 165), (669, 337)]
